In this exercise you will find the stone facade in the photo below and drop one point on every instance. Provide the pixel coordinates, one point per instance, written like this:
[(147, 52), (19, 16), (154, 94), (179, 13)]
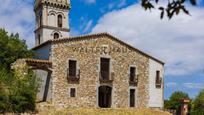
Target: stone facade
[(88, 59), (87, 51), (88, 90)]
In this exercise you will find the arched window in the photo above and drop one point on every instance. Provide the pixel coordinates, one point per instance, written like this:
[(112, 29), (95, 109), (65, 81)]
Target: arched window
[(51, 19), (39, 41), (56, 35), (40, 20), (59, 20)]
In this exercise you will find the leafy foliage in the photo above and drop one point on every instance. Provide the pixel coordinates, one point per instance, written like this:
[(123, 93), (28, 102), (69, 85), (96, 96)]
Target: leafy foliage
[(174, 101), (12, 48), (198, 104), (17, 94), (173, 7)]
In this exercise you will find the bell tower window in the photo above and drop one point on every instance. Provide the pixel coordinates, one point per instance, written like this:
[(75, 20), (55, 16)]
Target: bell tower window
[(56, 35), (51, 19), (39, 42), (40, 20), (59, 20)]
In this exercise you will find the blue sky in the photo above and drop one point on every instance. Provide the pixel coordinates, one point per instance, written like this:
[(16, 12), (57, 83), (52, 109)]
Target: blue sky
[(179, 42)]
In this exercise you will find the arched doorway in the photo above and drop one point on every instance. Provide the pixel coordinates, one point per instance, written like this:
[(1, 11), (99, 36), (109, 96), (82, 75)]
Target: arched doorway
[(105, 94)]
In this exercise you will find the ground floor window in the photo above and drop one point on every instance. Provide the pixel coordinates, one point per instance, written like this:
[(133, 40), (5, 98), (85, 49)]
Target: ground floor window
[(72, 92)]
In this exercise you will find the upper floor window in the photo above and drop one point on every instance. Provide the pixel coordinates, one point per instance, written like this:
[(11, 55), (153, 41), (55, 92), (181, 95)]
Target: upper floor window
[(105, 68), (158, 79), (40, 20), (73, 73), (59, 20), (72, 68), (132, 73), (56, 35), (38, 39), (157, 76)]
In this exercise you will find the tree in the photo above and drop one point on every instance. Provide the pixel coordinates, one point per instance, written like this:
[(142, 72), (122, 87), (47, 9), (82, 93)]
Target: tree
[(199, 104), (173, 7), (12, 48), (17, 91), (174, 100)]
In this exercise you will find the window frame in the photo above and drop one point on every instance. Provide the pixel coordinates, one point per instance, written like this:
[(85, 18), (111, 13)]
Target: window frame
[(135, 72), (39, 39), (56, 34), (130, 104), (109, 68), (157, 76), (158, 79), (59, 21), (76, 67), (72, 94)]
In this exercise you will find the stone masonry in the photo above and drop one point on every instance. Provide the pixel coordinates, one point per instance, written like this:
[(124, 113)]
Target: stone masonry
[(132, 77), (88, 63)]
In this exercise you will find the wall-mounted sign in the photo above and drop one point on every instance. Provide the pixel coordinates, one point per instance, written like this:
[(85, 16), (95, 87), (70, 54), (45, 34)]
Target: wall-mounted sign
[(102, 49)]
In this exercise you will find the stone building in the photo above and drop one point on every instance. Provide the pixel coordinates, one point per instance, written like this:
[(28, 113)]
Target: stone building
[(90, 71)]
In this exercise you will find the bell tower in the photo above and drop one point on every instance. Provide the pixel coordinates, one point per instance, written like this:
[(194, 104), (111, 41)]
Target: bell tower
[(52, 20)]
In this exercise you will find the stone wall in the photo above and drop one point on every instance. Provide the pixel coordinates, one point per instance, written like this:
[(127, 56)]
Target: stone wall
[(88, 52)]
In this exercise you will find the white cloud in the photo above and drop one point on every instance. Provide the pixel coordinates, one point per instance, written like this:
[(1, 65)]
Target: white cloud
[(115, 4), (90, 1), (179, 42), (18, 16), (88, 25), (171, 84), (194, 85)]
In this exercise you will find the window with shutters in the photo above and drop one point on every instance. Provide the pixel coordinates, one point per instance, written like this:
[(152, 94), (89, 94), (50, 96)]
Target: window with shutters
[(72, 92)]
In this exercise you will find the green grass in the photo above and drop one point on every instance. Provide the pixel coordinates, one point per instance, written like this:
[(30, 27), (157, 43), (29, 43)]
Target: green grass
[(51, 111)]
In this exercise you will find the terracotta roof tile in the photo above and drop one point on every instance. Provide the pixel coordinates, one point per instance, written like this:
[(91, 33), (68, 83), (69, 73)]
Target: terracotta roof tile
[(30, 60)]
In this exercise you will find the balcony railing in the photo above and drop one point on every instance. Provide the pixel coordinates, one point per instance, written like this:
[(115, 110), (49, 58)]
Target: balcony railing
[(158, 83), (133, 80), (106, 77), (73, 78)]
